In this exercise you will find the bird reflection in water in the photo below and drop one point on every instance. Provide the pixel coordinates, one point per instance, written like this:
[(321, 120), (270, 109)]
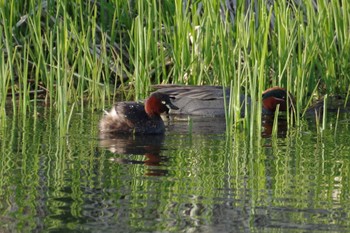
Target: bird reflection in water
[(125, 146), (267, 124), (217, 126)]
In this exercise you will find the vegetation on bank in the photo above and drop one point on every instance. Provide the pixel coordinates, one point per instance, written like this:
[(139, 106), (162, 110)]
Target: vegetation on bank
[(73, 54)]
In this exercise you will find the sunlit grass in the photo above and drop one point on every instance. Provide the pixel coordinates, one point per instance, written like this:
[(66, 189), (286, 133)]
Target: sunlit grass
[(66, 53), (275, 123), (4, 86)]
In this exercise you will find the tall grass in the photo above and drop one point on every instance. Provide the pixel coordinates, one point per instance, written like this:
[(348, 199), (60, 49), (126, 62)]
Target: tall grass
[(62, 52)]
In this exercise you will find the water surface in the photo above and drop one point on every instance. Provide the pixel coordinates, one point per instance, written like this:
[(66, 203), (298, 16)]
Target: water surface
[(193, 179)]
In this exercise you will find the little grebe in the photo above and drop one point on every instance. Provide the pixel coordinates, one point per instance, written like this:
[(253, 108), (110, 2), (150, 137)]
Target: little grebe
[(132, 117), (209, 100)]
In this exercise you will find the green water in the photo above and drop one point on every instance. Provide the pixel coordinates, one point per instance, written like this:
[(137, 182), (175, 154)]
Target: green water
[(194, 179)]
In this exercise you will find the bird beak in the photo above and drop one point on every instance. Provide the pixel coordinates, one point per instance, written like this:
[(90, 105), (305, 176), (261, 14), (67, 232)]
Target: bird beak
[(171, 106)]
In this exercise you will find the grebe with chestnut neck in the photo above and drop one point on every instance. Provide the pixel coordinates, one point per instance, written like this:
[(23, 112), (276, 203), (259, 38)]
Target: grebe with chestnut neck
[(137, 118)]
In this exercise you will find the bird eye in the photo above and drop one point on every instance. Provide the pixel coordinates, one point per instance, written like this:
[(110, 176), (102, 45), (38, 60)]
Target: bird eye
[(163, 102)]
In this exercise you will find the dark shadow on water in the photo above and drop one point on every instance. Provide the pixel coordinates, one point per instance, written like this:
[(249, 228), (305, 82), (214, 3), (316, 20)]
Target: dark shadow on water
[(334, 104), (125, 146)]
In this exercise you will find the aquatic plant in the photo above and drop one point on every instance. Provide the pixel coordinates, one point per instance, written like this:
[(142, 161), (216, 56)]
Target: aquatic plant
[(61, 52)]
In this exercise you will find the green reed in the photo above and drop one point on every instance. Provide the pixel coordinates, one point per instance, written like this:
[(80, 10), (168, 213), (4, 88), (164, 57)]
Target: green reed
[(7, 51), (324, 113), (4, 85), (275, 122), (60, 53)]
